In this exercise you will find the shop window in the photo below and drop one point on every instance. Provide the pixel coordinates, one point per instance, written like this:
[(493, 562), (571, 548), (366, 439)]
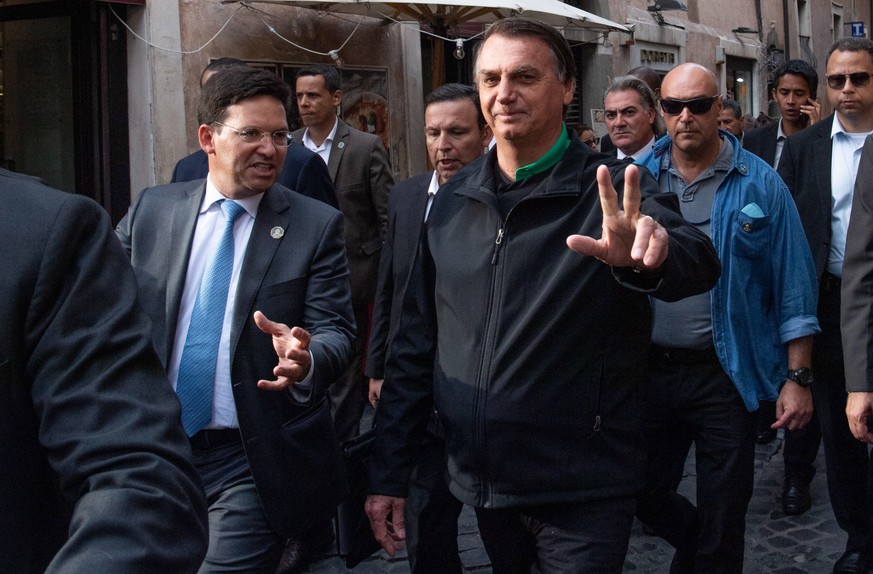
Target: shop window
[(740, 82)]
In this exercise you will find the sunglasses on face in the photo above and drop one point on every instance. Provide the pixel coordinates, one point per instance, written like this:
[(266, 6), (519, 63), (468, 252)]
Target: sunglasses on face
[(592, 142), (696, 106), (858, 79)]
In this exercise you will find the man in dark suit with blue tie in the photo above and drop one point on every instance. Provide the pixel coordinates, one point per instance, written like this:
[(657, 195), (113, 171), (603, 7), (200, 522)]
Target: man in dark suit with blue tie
[(217, 261), (456, 134), (302, 171)]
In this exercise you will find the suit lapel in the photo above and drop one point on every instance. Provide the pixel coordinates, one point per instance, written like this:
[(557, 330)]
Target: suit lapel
[(823, 157), (771, 137), (181, 233), (338, 147), (262, 246)]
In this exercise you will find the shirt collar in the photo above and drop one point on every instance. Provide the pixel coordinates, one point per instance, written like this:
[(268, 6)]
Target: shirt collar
[(780, 134), (250, 204), (307, 141), (639, 153), (548, 160), (434, 184)]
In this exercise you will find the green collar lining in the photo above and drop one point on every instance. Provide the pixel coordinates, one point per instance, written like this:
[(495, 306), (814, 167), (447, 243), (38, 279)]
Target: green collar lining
[(549, 160)]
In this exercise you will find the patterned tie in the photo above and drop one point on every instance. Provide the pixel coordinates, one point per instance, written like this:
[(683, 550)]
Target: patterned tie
[(197, 367)]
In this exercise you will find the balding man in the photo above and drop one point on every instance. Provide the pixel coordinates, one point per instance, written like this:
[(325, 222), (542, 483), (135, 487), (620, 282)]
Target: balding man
[(716, 355)]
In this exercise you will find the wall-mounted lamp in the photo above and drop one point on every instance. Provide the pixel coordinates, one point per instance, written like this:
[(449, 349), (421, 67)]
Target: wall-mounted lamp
[(661, 5)]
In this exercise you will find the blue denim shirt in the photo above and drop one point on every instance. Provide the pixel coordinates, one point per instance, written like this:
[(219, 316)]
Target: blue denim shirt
[(767, 292)]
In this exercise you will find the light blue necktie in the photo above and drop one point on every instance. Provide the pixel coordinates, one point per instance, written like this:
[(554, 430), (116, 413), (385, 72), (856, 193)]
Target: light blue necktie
[(200, 355)]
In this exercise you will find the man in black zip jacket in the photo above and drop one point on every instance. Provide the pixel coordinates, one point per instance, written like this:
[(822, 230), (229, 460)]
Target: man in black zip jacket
[(535, 352)]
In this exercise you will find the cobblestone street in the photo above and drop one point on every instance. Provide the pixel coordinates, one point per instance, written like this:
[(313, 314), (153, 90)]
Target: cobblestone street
[(775, 543)]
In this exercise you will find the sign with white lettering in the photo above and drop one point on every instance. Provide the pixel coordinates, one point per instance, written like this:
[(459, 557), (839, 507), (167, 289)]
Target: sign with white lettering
[(858, 30)]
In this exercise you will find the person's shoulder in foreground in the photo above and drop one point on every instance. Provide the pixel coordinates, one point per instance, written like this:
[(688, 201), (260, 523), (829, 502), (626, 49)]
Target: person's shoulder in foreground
[(98, 475)]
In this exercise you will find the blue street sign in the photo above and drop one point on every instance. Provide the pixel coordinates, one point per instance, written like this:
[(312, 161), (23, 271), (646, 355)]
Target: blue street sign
[(858, 29)]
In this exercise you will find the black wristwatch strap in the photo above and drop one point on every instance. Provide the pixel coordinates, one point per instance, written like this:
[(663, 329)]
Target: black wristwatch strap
[(801, 376)]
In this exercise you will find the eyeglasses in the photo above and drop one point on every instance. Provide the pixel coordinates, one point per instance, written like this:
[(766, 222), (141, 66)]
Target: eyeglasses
[(859, 80), (696, 106), (591, 142), (280, 138)]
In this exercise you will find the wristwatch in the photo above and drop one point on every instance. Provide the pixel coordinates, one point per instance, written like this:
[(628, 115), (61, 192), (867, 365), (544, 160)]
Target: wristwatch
[(801, 376)]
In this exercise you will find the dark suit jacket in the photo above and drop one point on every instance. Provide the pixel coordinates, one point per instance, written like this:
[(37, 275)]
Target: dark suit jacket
[(762, 142), (805, 166), (362, 178), (606, 144), (303, 171), (857, 288), (87, 415), (299, 279), (406, 208)]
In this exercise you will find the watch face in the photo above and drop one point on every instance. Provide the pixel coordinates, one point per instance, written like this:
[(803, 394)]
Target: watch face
[(802, 376)]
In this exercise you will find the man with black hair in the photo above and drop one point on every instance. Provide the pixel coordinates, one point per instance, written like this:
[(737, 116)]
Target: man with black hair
[(455, 134), (361, 172), (246, 285), (301, 170), (819, 165), (794, 89)]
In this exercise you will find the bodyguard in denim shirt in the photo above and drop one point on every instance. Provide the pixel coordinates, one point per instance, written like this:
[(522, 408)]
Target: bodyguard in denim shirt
[(715, 355)]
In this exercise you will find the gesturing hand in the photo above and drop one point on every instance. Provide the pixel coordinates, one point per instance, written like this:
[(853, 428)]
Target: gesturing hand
[(292, 349), (629, 239)]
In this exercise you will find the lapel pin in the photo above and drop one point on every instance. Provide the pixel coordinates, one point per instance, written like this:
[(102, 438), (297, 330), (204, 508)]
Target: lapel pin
[(277, 233), (341, 145)]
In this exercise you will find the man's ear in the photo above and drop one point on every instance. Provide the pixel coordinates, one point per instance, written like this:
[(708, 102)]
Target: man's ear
[(206, 137), (337, 97), (487, 134)]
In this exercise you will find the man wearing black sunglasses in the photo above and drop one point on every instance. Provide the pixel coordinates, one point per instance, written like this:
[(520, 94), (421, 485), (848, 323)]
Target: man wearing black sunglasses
[(819, 166), (708, 369)]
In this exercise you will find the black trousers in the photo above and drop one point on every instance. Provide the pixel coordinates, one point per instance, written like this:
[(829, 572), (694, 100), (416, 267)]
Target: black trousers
[(432, 514), (590, 537), (847, 461), (348, 395), (690, 398)]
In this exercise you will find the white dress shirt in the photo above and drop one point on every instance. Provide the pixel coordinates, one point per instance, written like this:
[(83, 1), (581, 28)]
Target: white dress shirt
[(639, 153), (844, 167), (432, 190), (210, 223), (322, 150), (780, 143)]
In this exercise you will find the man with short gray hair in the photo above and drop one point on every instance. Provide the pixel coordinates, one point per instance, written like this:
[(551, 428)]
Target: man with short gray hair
[(631, 118)]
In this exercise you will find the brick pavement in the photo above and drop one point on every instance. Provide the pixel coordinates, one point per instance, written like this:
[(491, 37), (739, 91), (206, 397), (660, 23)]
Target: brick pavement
[(775, 543)]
